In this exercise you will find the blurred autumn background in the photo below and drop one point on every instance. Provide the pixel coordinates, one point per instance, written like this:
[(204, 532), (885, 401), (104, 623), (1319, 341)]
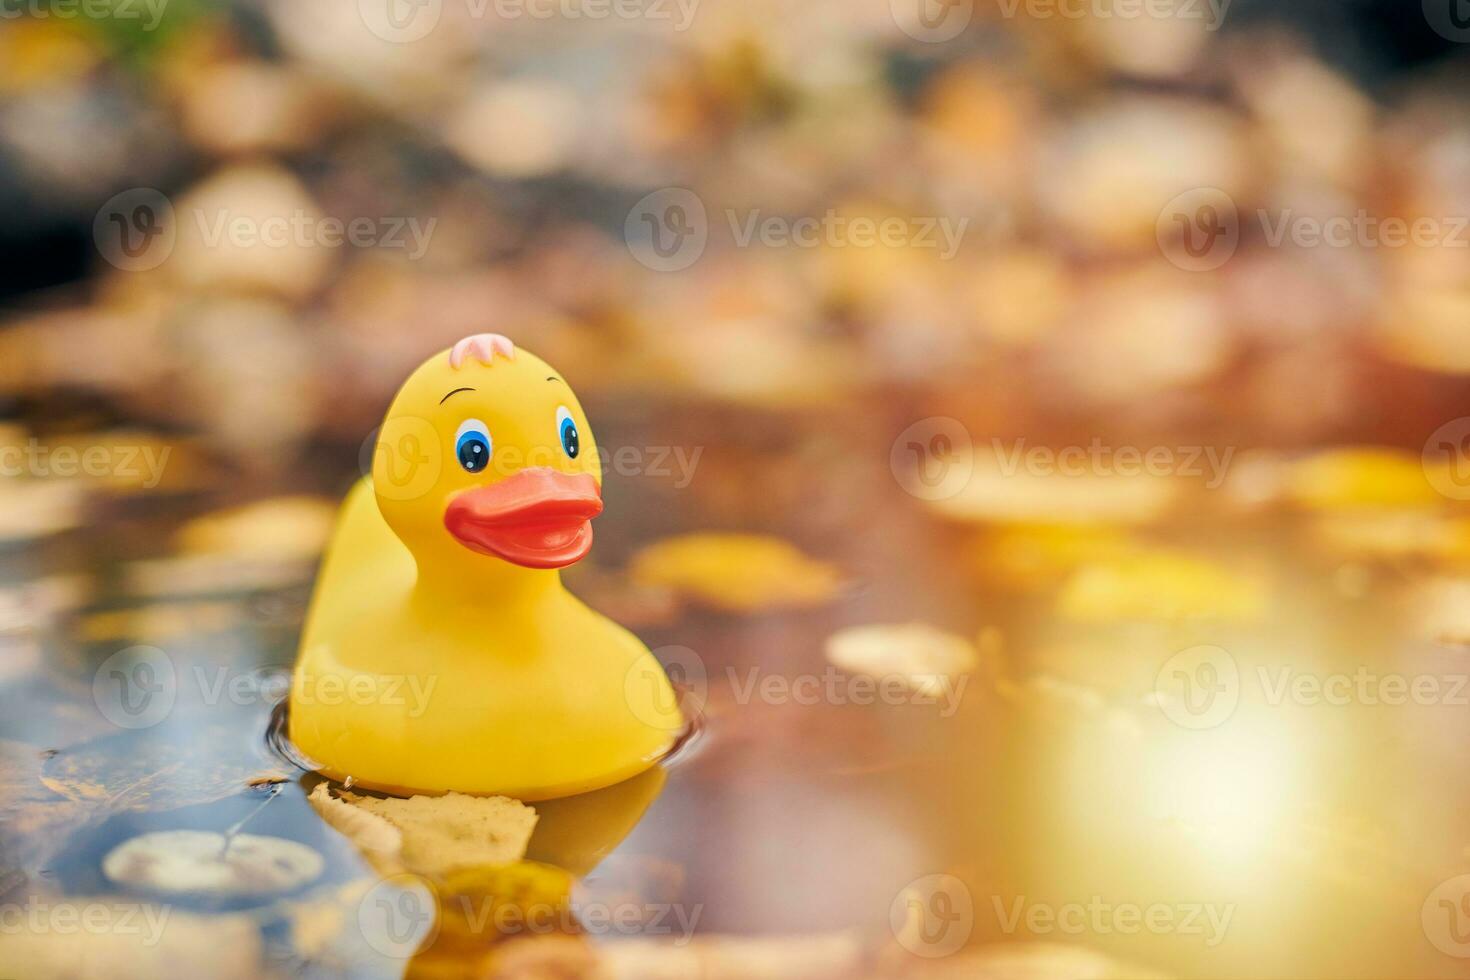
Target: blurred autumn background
[(520, 137), (826, 273)]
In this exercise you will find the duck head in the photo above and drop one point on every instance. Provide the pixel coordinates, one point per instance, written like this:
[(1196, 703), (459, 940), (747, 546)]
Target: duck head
[(485, 459)]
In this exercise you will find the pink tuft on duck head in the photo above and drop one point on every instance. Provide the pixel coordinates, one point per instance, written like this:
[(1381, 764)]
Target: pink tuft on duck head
[(482, 347)]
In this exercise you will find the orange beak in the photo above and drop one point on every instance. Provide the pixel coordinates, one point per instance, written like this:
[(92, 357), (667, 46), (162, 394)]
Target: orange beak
[(538, 518)]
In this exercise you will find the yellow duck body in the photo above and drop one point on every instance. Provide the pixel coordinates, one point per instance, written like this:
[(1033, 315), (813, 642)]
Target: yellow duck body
[(441, 651)]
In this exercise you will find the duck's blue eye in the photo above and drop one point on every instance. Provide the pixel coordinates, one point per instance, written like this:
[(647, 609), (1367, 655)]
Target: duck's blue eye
[(571, 439), (472, 445)]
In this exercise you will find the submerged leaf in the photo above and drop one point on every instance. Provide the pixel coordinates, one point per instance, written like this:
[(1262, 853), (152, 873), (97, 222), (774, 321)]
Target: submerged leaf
[(131, 772), (174, 862), (34, 821)]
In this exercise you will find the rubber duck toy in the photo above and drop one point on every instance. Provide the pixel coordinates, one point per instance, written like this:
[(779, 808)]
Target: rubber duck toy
[(441, 650)]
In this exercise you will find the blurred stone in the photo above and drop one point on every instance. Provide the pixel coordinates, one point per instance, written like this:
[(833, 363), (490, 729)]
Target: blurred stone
[(1317, 124), (251, 107), (1141, 333), (1106, 176), (517, 129), (247, 376), (1164, 42), (251, 227), (1019, 296), (356, 45)]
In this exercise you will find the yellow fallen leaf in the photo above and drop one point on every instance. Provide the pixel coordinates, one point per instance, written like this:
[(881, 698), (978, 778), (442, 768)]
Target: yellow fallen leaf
[(924, 659), (736, 572), (284, 528), (1390, 535), (1360, 477), (379, 841), (485, 903), (444, 833), (1160, 585), (1028, 557)]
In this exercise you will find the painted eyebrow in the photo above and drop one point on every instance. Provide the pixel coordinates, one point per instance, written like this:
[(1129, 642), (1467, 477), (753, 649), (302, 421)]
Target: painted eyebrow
[(454, 392), (555, 378)]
